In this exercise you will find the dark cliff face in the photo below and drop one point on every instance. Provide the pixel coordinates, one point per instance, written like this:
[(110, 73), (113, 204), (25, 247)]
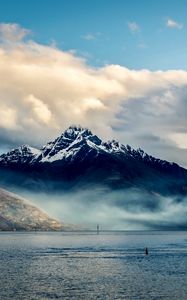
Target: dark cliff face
[(79, 157)]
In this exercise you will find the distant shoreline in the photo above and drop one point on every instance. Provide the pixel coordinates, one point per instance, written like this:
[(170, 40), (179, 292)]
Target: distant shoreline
[(92, 231)]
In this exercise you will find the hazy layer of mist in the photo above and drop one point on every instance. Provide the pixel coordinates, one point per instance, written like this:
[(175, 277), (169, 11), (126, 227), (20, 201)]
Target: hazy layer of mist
[(124, 209)]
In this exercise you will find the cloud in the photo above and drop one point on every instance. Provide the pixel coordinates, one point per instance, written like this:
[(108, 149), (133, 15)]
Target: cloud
[(8, 117), (133, 27), (10, 32), (173, 24), (39, 108), (180, 139), (142, 46), (44, 89), (89, 37)]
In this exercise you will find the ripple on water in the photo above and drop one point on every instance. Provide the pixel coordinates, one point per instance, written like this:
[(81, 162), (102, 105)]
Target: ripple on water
[(56, 266)]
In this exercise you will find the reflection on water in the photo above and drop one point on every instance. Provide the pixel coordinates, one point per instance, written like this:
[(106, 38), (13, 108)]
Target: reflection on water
[(89, 266)]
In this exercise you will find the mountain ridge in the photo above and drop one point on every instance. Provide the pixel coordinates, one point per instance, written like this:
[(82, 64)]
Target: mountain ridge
[(30, 155), (79, 155)]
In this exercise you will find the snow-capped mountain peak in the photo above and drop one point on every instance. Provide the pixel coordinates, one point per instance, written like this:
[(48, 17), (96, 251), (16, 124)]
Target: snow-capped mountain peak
[(22, 154), (114, 146), (75, 131), (79, 133), (71, 141), (77, 144)]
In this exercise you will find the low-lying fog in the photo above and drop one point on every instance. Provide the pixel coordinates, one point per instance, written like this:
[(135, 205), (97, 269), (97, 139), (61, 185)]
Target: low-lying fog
[(125, 209)]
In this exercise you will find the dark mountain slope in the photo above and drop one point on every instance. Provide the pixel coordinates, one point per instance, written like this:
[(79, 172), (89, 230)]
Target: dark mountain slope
[(80, 158)]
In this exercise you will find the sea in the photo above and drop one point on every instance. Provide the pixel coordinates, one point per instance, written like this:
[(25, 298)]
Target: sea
[(87, 265)]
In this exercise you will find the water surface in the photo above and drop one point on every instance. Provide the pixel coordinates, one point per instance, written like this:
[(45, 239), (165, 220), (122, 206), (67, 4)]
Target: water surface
[(111, 265)]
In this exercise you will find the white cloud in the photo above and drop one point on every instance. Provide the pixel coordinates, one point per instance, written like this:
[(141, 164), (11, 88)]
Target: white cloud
[(43, 90), (8, 118), (133, 27), (10, 32), (39, 108), (142, 46), (89, 37), (180, 139), (173, 24)]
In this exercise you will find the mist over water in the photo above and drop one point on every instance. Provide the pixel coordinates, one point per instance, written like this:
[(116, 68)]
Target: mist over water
[(129, 209)]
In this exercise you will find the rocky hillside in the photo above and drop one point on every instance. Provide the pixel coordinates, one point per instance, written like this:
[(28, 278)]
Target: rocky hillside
[(18, 214)]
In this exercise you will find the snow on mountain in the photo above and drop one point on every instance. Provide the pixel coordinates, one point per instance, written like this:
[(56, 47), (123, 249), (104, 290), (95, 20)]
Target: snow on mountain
[(23, 154), (77, 144), (69, 144), (79, 158)]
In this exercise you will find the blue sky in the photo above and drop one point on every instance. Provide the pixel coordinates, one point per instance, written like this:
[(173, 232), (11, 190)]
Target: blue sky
[(100, 30)]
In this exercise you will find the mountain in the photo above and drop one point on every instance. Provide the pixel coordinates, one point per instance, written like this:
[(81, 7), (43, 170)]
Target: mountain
[(79, 158), (18, 214)]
